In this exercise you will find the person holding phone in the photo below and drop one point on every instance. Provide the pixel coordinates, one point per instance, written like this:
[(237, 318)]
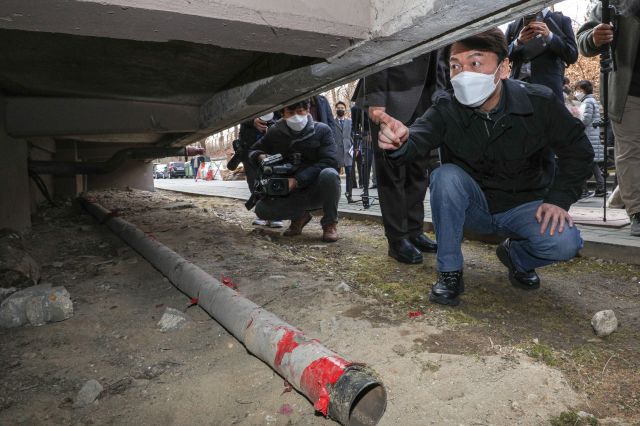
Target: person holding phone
[(541, 46)]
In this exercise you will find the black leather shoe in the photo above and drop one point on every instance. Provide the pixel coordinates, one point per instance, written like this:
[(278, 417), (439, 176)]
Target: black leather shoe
[(525, 280), (403, 251), (424, 243), (446, 290), (349, 199)]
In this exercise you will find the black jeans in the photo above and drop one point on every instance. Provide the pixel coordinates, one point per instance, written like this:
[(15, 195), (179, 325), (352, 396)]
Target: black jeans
[(323, 194)]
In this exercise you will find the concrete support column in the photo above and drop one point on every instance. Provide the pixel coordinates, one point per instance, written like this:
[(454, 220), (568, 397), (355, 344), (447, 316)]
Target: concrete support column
[(15, 212), (67, 186)]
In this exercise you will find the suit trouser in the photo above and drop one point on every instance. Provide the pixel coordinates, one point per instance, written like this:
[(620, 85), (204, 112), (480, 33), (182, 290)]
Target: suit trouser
[(250, 171), (349, 179), (627, 144), (401, 190)]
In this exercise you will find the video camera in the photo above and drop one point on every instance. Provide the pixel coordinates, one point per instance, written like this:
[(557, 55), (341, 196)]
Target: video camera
[(273, 178)]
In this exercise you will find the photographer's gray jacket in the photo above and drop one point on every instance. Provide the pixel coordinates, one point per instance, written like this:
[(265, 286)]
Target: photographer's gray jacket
[(314, 142), (625, 54)]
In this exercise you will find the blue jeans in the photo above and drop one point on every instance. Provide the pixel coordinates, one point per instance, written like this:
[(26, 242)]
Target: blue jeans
[(458, 203)]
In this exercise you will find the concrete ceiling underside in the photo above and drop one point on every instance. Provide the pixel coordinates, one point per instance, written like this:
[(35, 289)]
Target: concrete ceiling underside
[(172, 72)]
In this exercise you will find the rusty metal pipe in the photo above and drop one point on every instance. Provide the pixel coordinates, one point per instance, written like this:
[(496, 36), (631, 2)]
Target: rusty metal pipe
[(347, 392)]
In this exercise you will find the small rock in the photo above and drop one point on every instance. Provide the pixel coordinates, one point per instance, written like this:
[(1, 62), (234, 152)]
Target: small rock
[(536, 341), (343, 287), (57, 264), (515, 406), (90, 391), (269, 418), (277, 277), (53, 306), (13, 309), (173, 319), (634, 279), (600, 261), (317, 247), (585, 415), (604, 323), (400, 350)]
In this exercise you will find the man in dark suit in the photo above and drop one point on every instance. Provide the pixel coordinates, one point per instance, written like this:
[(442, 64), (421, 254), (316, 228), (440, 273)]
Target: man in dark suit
[(403, 91), (344, 144), (541, 46)]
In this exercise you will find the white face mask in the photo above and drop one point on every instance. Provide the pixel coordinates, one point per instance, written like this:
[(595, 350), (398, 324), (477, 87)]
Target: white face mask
[(267, 117), (474, 88), (579, 95), (297, 122)]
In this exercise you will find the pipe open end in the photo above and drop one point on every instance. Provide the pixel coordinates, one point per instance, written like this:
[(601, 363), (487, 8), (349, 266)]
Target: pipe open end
[(357, 398)]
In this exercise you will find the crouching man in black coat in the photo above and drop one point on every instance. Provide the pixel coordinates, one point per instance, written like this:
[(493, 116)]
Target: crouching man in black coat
[(514, 162), (315, 183)]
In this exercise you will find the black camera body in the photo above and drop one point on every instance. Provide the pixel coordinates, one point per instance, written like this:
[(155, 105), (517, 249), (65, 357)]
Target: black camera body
[(273, 177)]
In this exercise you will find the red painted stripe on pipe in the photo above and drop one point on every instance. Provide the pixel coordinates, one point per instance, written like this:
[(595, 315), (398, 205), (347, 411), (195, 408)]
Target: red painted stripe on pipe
[(285, 346), (318, 378)]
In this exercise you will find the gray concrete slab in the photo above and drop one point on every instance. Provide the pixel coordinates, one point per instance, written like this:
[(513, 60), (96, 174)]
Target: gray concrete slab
[(604, 243)]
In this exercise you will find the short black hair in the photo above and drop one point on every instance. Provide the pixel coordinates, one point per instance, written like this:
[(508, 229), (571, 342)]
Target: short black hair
[(341, 103), (492, 40), (585, 86), (305, 103)]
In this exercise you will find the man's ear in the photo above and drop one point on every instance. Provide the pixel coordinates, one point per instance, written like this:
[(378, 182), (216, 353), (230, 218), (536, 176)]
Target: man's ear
[(505, 69)]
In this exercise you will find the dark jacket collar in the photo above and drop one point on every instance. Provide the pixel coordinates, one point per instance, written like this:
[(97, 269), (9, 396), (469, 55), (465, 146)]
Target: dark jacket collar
[(516, 101)]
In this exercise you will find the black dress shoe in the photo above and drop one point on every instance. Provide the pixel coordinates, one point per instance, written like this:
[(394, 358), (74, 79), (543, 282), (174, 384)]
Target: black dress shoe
[(525, 280), (349, 199), (446, 290), (424, 243), (403, 251)]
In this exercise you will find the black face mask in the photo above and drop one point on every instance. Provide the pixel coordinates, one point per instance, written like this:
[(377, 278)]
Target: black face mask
[(340, 112)]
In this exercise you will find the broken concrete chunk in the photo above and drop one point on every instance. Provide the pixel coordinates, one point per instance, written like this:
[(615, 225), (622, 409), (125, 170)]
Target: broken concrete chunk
[(54, 306), (604, 323), (12, 310), (17, 267), (90, 391), (37, 305), (173, 319)]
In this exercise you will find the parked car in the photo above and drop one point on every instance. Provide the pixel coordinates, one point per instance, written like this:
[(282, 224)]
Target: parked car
[(160, 171), (176, 169)]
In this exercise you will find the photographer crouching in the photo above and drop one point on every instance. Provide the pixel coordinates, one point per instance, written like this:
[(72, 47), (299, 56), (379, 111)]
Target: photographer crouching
[(297, 164)]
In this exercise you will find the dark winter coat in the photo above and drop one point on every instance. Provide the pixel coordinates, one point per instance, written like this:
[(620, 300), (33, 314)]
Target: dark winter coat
[(511, 157), (314, 142)]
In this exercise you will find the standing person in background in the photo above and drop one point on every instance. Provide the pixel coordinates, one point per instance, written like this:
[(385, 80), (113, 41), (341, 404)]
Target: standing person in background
[(320, 111), (404, 92), (589, 114), (541, 46), (624, 95), (344, 145)]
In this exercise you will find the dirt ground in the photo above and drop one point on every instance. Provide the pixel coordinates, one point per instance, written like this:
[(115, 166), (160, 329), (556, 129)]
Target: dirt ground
[(503, 357)]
